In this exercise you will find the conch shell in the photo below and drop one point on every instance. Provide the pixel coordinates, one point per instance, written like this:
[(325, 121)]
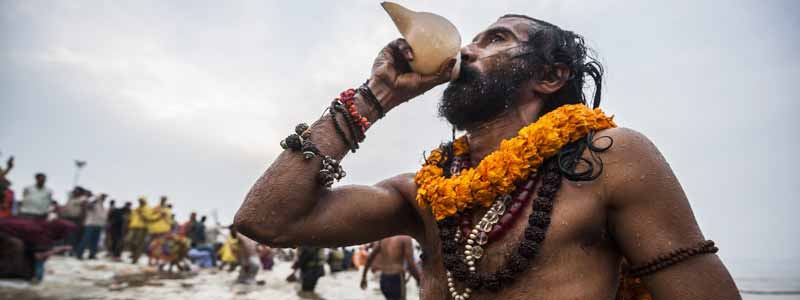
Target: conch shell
[(433, 38)]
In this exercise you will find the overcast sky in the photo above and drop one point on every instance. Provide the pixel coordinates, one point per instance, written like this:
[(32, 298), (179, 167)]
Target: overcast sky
[(190, 98)]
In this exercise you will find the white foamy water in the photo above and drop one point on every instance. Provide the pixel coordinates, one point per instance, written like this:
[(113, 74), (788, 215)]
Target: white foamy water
[(69, 279)]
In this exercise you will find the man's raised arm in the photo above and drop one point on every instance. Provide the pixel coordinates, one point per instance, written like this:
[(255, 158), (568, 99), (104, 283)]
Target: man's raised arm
[(288, 206)]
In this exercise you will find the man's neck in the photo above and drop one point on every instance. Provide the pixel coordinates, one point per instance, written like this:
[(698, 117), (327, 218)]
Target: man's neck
[(485, 138)]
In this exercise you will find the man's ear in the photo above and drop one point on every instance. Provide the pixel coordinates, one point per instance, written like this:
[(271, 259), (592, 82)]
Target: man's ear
[(554, 83)]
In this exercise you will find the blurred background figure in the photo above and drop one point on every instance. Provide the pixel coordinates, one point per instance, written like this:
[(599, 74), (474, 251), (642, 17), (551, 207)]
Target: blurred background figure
[(136, 239), (201, 253), (95, 222), (228, 250), (74, 211), (118, 219), (336, 260), (266, 255), (159, 224), (311, 264), (360, 257), (391, 256), (26, 243), (247, 257), (106, 242), (36, 199), (6, 194)]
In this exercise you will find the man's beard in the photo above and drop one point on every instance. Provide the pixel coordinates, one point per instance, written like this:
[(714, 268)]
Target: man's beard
[(474, 98)]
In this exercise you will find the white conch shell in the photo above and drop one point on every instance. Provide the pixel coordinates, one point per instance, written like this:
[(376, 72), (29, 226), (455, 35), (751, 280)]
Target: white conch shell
[(433, 38)]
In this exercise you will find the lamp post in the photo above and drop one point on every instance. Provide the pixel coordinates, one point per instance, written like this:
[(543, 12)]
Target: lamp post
[(79, 164)]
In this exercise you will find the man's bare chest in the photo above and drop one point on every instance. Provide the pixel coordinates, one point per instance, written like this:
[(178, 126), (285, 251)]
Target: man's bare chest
[(577, 220), (576, 235)]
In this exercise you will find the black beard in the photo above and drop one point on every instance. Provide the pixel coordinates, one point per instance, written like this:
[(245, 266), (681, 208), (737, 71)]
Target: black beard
[(474, 98)]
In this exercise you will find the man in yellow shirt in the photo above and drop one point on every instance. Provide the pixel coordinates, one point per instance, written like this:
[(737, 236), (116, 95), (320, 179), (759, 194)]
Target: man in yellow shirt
[(160, 219), (137, 230), (159, 224)]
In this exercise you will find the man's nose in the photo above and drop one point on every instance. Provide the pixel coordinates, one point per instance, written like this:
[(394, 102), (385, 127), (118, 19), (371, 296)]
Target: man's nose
[(469, 54)]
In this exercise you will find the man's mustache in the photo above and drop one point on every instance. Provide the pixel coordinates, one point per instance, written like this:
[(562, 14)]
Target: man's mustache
[(468, 74)]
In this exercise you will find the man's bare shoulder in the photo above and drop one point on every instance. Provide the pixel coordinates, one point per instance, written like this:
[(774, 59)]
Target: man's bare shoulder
[(626, 141), (625, 147), (631, 158), (402, 184)]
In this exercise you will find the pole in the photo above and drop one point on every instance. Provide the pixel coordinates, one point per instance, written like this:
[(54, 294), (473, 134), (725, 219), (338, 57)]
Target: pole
[(79, 164)]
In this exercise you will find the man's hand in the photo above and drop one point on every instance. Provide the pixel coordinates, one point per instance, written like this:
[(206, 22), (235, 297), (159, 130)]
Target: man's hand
[(393, 81)]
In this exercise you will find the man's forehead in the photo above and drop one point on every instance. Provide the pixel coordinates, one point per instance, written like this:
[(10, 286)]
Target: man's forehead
[(517, 25)]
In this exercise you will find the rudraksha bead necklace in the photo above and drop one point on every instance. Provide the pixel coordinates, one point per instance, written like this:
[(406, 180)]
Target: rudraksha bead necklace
[(538, 221)]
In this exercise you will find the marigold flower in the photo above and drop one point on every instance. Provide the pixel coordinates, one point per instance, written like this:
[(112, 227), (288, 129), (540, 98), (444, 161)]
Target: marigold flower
[(513, 161)]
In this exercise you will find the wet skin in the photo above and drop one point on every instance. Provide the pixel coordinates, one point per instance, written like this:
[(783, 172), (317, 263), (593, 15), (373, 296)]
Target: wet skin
[(635, 209)]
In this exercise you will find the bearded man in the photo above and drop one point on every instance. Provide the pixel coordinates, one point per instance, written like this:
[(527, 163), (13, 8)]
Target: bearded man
[(588, 206)]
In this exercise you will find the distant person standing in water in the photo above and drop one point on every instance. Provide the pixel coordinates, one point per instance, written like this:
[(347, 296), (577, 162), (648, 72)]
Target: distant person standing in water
[(391, 256), (247, 256), (311, 262)]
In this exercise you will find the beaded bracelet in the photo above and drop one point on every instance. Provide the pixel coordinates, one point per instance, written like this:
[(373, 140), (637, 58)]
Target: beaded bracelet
[(348, 99), (331, 171), (666, 260), (300, 141), (366, 92), (295, 140), (356, 132), (335, 108)]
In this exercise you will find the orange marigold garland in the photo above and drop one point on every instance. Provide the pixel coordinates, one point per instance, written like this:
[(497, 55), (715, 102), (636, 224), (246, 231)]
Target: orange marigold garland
[(511, 162)]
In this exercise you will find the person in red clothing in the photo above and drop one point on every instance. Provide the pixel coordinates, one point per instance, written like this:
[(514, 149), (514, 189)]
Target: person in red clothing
[(6, 194), (6, 203), (26, 243)]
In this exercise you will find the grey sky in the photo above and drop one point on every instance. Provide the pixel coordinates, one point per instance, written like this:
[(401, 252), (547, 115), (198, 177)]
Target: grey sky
[(190, 98)]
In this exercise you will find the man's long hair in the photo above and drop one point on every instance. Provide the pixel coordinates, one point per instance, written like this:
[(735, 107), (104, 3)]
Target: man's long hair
[(548, 47)]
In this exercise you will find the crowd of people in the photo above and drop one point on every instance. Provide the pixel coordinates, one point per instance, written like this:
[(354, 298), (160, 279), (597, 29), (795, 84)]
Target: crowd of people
[(36, 226)]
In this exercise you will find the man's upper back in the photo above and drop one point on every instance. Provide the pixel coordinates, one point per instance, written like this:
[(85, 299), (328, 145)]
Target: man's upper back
[(392, 253)]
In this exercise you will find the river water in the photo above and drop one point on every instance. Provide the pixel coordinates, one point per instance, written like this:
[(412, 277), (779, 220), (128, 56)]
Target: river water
[(69, 279)]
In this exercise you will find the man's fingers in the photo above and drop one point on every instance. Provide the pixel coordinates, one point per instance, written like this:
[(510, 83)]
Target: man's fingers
[(404, 48), (385, 72), (400, 53), (442, 76)]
